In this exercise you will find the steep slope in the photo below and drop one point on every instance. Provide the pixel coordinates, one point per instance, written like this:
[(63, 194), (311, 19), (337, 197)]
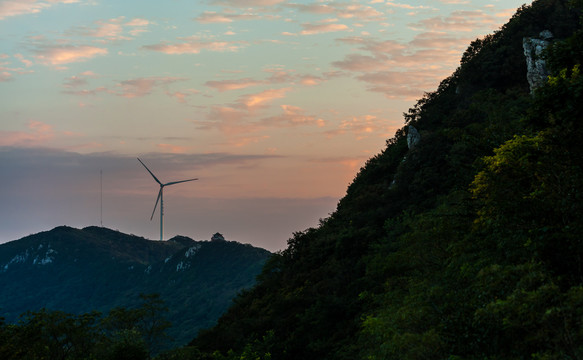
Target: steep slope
[(79, 271), (451, 246)]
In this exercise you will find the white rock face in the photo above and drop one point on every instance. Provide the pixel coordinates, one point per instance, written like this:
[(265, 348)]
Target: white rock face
[(537, 72), (413, 137), (192, 250)]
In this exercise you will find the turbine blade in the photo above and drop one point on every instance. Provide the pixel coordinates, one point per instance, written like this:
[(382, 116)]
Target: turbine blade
[(151, 173), (178, 182), (157, 199)]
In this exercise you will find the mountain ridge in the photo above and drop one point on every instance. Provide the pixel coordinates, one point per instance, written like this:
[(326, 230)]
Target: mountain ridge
[(95, 268)]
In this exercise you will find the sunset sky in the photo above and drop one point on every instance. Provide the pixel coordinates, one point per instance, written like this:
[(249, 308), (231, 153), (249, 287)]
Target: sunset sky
[(273, 104)]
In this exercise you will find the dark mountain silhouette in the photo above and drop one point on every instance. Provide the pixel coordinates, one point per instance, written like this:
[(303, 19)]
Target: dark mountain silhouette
[(95, 268), (462, 239)]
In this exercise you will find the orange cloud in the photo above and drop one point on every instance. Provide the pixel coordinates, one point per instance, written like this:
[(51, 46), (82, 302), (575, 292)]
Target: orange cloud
[(309, 80), (292, 116), (20, 7), (343, 10), (7, 73), (246, 3), (5, 76), (194, 45), (228, 85), (401, 70), (65, 54), (228, 120), (363, 127), (260, 99), (209, 17), (138, 26), (311, 29), (407, 6), (237, 120), (39, 133), (143, 86), (464, 21), (181, 96)]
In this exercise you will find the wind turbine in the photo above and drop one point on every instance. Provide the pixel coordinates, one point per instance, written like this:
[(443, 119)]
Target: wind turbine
[(161, 198)]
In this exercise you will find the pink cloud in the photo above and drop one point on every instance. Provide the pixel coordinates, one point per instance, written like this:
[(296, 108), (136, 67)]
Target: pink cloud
[(343, 10), (21, 7), (360, 12), (362, 127), (181, 96), (464, 21), (402, 84), (311, 29), (401, 70), (253, 101), (361, 63), (238, 119), (75, 85), (209, 17), (26, 62), (112, 29), (7, 73), (5, 76), (38, 134), (75, 81), (292, 116), (313, 8), (228, 85), (407, 6), (279, 75), (143, 86), (137, 26), (194, 45), (310, 80), (138, 22), (228, 120), (65, 54), (246, 3)]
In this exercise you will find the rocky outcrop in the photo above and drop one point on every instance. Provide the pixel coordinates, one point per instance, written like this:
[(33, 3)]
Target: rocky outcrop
[(413, 137), (537, 73)]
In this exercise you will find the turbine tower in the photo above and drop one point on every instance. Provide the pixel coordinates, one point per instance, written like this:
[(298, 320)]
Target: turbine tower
[(161, 198)]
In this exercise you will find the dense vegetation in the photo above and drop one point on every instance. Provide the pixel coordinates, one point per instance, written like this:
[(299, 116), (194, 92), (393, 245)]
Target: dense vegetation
[(96, 269), (466, 246), (125, 333)]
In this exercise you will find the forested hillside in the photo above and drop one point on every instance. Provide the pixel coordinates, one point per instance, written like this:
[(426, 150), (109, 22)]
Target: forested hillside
[(462, 239), (465, 242), (77, 271)]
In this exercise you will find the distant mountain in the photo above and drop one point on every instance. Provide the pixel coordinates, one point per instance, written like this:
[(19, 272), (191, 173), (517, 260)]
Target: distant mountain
[(96, 268)]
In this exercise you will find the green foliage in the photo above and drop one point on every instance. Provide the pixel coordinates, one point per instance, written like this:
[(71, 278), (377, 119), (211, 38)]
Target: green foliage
[(100, 269), (139, 329), (464, 247), (124, 334), (467, 246)]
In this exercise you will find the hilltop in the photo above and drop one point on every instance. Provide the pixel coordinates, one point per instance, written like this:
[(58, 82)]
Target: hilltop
[(81, 270)]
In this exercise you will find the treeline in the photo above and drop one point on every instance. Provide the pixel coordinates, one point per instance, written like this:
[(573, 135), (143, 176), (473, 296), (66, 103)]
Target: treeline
[(467, 246), (122, 334)]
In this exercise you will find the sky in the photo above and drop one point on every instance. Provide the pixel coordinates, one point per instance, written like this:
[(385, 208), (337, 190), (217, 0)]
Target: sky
[(274, 105)]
